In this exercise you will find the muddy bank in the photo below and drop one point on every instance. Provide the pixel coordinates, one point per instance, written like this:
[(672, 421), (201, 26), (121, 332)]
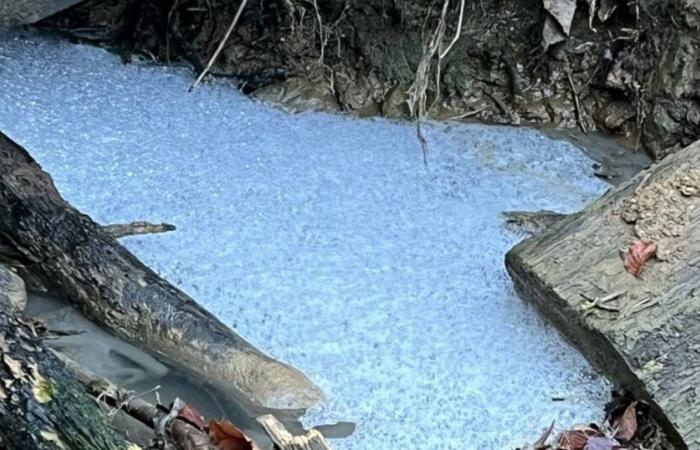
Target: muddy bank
[(627, 69)]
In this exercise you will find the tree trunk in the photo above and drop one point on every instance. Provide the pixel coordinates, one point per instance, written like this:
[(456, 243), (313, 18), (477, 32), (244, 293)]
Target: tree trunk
[(643, 331), (41, 405), (114, 288)]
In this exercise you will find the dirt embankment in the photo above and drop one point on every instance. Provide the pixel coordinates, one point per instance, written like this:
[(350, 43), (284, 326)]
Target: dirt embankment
[(630, 69)]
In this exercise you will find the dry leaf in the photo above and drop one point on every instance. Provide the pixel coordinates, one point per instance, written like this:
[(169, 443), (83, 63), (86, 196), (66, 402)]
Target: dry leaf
[(14, 366), (227, 437), (577, 439), (563, 11), (637, 255), (192, 416), (53, 437), (627, 425), (606, 9), (573, 440)]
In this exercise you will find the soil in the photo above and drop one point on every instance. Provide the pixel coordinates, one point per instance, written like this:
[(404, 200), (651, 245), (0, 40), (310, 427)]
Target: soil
[(636, 75)]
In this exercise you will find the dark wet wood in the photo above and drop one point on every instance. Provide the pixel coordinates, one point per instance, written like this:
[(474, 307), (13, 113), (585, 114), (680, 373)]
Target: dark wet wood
[(114, 288), (41, 405), (19, 12), (643, 332)]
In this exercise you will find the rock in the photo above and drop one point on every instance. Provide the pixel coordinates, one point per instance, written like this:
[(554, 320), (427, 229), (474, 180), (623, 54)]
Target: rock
[(680, 69), (395, 104), (12, 290), (612, 115), (643, 331), (690, 12), (297, 95)]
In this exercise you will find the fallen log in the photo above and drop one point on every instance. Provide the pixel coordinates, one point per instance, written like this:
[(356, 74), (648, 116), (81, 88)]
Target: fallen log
[(643, 331), (20, 12), (41, 405), (115, 289)]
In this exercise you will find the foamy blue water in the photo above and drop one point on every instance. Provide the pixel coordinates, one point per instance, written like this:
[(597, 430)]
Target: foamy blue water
[(323, 239)]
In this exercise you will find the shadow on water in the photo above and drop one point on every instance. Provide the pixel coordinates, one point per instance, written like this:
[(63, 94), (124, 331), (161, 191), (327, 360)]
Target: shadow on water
[(155, 381)]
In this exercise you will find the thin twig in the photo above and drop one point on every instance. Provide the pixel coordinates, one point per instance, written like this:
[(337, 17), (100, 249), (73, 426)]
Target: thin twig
[(467, 114), (599, 302), (577, 103), (215, 56)]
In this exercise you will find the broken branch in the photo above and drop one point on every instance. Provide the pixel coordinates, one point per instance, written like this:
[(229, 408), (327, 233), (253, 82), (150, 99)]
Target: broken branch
[(221, 46), (119, 230)]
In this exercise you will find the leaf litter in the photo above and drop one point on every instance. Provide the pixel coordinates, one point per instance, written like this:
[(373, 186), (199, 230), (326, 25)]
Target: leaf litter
[(627, 426)]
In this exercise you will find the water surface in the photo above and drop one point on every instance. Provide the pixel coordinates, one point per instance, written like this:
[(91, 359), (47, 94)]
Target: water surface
[(323, 239)]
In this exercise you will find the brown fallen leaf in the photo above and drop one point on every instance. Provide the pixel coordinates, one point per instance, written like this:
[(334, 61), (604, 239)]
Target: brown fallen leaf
[(637, 254), (577, 439), (227, 436), (190, 415), (627, 425)]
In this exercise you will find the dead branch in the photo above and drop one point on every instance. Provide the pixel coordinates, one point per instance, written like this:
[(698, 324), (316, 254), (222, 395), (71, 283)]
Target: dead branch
[(119, 230), (577, 103), (221, 46), (284, 440)]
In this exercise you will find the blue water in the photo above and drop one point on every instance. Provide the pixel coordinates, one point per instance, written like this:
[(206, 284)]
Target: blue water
[(323, 239)]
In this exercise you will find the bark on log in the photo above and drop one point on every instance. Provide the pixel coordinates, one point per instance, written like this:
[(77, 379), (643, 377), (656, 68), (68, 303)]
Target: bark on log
[(114, 288), (41, 405), (18, 12), (647, 338)]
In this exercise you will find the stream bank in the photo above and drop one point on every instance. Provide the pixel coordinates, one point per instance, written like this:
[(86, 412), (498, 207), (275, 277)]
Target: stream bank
[(625, 68)]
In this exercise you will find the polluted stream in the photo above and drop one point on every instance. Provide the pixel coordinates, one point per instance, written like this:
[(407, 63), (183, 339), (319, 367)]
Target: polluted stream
[(323, 239)]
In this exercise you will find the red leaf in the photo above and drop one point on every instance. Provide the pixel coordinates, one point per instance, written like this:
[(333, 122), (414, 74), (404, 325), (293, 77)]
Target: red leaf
[(227, 436), (189, 414), (577, 439), (627, 425), (637, 255), (573, 440)]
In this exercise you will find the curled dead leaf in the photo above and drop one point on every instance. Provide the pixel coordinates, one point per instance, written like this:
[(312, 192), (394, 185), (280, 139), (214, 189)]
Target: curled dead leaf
[(637, 254), (226, 436), (190, 415), (577, 439), (627, 425)]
